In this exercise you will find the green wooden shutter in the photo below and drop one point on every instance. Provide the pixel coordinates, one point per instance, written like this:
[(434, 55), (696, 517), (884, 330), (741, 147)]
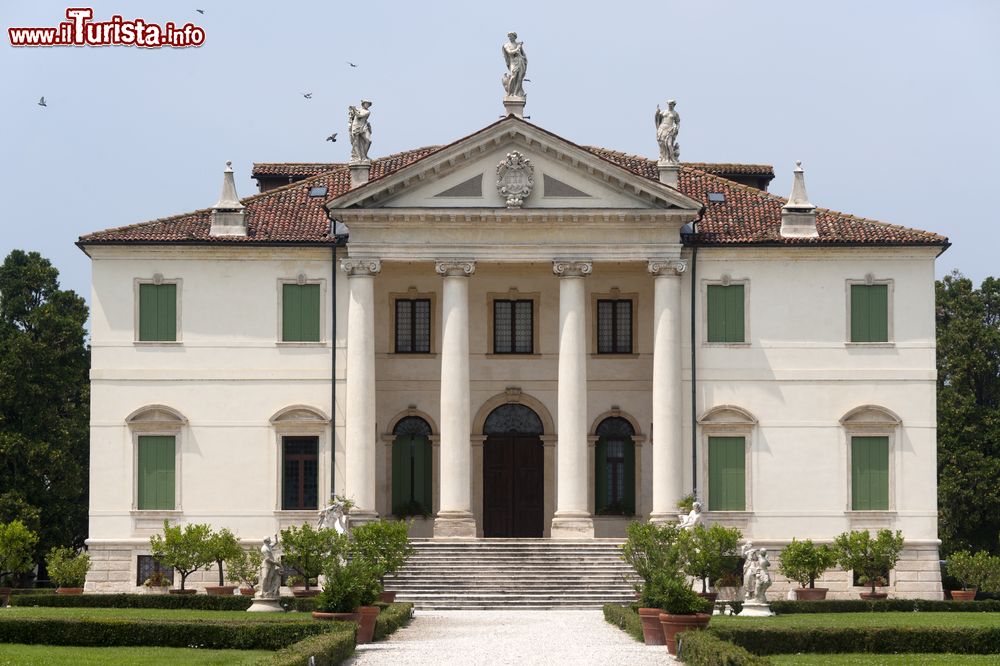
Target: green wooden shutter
[(156, 473), (725, 313), (310, 312), (401, 462), (629, 477), (291, 313), (716, 313), (869, 313), (600, 475), (870, 473), (421, 472), (166, 312), (147, 312), (734, 313), (726, 474)]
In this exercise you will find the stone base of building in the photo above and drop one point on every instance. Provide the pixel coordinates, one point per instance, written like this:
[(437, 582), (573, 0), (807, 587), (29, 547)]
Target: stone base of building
[(455, 525), (361, 516), (572, 525)]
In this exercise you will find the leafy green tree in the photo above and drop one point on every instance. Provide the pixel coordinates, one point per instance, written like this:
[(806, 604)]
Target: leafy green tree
[(651, 549), (706, 551), (970, 570), (44, 403), (385, 544), (968, 360), (184, 549), (67, 568), (306, 550), (244, 567), (804, 562), (869, 558), (17, 548), (222, 546)]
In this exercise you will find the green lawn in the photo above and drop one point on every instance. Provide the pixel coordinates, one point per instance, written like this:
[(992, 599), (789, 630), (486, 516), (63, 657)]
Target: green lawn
[(144, 656), (883, 659), (157, 614), (843, 620)]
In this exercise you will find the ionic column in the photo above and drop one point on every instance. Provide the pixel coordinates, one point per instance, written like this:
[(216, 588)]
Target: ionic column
[(359, 418), (668, 447), (572, 518), (454, 517)]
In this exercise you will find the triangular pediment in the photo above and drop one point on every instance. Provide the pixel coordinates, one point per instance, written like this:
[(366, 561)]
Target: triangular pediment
[(562, 174)]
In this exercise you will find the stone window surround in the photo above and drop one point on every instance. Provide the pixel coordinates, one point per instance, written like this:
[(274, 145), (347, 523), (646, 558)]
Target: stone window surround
[(513, 294), (870, 280), (638, 439), (157, 279), (870, 421), (725, 281), (301, 421), (728, 421), (614, 294), (171, 424), (410, 294), (301, 279)]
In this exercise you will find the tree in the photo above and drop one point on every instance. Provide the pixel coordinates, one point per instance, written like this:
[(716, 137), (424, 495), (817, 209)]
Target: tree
[(67, 568), (384, 544), (244, 566), (870, 558), (17, 548), (307, 550), (705, 551), (804, 562), (44, 403), (220, 547), (183, 549), (968, 381), (651, 549)]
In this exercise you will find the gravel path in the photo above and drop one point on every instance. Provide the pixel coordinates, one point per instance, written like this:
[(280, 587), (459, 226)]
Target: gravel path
[(509, 637)]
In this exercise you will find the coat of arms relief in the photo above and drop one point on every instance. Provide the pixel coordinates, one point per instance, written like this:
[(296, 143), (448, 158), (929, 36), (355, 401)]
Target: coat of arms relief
[(515, 178)]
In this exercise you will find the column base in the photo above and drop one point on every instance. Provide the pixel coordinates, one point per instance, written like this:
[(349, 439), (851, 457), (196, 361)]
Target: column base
[(572, 525), (663, 518), (454, 525), (361, 516)]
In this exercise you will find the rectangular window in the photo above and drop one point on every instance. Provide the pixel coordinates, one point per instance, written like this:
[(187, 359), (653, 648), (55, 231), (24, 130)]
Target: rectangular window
[(300, 473), (158, 312), (869, 313), (725, 313), (413, 326), (870, 473), (156, 473), (146, 566), (513, 326), (614, 326), (726, 474), (300, 313)]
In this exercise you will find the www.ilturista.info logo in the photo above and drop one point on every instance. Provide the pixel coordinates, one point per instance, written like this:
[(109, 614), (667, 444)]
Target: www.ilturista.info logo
[(80, 30)]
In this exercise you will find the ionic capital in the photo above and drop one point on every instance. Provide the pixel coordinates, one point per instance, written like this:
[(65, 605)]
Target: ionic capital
[(455, 268), (572, 268), (667, 267), (354, 266)]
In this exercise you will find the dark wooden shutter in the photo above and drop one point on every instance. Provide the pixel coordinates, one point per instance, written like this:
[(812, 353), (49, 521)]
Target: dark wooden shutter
[(601, 475), (726, 474), (156, 475), (300, 308), (726, 321), (870, 473), (401, 471), (869, 313), (629, 477), (158, 312)]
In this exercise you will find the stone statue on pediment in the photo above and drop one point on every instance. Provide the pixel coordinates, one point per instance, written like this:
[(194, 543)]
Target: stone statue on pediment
[(360, 130), (667, 126), (517, 66)]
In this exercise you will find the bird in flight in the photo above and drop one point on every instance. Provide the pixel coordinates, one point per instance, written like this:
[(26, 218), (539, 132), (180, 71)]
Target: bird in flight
[(200, 11), (351, 63), (308, 95), (332, 137), (41, 102)]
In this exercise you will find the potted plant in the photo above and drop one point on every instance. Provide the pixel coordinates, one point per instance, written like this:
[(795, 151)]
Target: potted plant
[(349, 590), (650, 549), (244, 567), (972, 571), (682, 609), (220, 547), (157, 583), (67, 569), (705, 553), (869, 557), (385, 545), (183, 549), (306, 551), (17, 547), (804, 562)]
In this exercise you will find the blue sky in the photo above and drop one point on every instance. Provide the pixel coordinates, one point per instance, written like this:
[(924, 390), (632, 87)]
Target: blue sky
[(891, 106)]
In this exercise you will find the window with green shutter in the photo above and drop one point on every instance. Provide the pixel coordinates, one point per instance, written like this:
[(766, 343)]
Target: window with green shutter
[(870, 473), (300, 307), (614, 468), (726, 474), (411, 468), (157, 312), (725, 313), (869, 313), (157, 458)]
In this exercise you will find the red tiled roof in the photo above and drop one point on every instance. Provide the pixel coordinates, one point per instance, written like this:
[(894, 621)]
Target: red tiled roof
[(279, 169), (748, 216)]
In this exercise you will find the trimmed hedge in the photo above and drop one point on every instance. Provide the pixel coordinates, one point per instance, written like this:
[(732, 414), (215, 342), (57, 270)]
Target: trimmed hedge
[(125, 633), (392, 618), (879, 640), (884, 606), (701, 648), (327, 649), (185, 601), (625, 618)]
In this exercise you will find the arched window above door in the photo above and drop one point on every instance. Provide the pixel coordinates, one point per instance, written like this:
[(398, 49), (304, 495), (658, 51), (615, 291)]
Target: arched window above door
[(513, 417)]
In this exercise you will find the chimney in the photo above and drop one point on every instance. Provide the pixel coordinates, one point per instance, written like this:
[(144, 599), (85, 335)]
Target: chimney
[(798, 216), (228, 218)]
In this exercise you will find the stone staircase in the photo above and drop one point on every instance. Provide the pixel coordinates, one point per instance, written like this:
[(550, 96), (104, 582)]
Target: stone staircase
[(509, 574)]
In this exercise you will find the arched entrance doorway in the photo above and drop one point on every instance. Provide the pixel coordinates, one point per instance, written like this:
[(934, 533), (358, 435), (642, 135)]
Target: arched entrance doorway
[(513, 473)]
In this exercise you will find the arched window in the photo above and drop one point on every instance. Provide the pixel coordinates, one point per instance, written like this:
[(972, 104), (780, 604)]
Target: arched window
[(513, 417), (614, 469), (411, 468)]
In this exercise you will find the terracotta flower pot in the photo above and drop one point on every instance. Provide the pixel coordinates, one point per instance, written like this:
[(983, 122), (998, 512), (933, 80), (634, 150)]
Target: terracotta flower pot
[(964, 595), (387, 597), (247, 591), (675, 624), (340, 617), (709, 596), (652, 631), (366, 626), (220, 590), (303, 592), (69, 590), (184, 592), (811, 593), (874, 596)]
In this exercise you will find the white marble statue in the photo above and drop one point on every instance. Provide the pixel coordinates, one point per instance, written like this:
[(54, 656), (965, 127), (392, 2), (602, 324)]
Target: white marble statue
[(762, 576), (270, 578), (333, 516), (360, 130), (517, 66), (749, 554), (667, 126), (692, 519)]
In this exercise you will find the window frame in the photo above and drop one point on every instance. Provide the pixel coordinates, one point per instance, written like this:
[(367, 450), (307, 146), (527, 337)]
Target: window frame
[(513, 295), (301, 493), (157, 566), (870, 281), (158, 280), (728, 421), (301, 420), (412, 295), (869, 421), (157, 429), (725, 281), (613, 295), (302, 280)]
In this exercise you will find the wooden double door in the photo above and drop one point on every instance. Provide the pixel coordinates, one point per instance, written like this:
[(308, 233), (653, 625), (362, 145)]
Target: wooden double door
[(513, 485)]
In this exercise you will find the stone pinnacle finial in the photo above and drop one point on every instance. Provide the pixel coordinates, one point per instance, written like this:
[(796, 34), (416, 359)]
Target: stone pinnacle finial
[(228, 217), (798, 199), (228, 200), (798, 216)]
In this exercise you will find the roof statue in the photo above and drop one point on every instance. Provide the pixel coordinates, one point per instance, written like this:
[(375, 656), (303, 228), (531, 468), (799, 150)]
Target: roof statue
[(517, 66), (668, 123), (360, 131)]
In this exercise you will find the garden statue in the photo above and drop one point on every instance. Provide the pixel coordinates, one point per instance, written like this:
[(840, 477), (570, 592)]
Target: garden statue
[(667, 126), (756, 581), (762, 577), (360, 130), (270, 579), (517, 66), (333, 516), (693, 519)]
